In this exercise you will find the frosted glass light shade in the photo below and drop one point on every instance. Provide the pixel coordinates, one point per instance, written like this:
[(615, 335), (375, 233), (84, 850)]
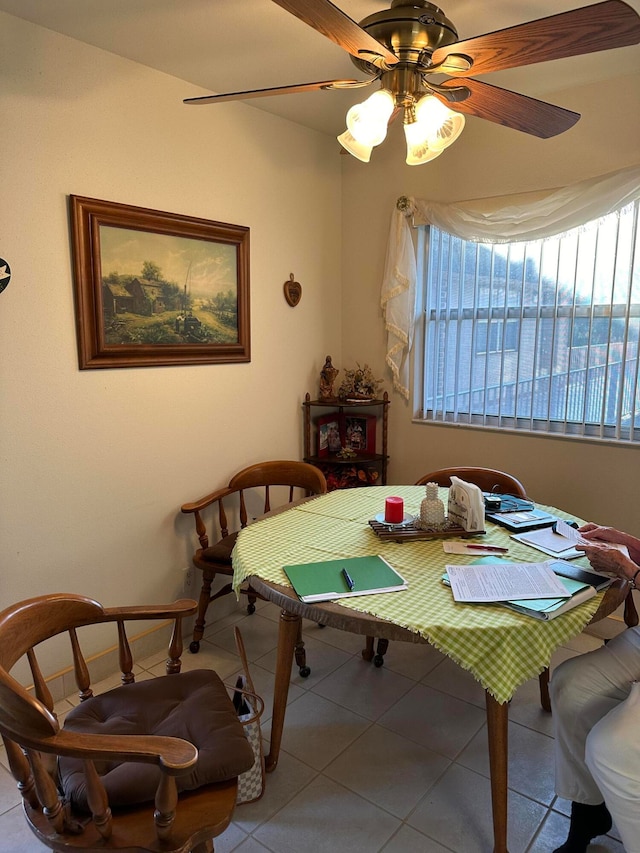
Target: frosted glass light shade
[(358, 149), (434, 129), (418, 149), (367, 122), (442, 126)]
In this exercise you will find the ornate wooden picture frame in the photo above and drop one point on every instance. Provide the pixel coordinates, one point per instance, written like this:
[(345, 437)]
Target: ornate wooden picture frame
[(157, 289)]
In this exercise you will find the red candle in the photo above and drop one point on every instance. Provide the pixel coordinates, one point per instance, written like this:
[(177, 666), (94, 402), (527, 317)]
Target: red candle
[(393, 510)]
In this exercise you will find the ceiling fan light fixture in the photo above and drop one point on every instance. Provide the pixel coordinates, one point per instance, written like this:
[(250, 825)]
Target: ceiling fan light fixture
[(442, 126), (367, 122), (418, 149), (358, 149)]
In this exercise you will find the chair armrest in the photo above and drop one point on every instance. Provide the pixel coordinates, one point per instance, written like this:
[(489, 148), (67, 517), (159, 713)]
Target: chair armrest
[(613, 597), (181, 607), (203, 503), (197, 506), (174, 755)]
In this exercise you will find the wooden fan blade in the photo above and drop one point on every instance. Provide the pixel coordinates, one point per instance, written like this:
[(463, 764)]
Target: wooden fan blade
[(333, 23), (279, 90), (510, 109), (586, 30)]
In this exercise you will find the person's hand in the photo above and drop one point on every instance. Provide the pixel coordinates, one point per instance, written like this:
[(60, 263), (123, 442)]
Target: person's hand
[(604, 534), (599, 533), (611, 561)]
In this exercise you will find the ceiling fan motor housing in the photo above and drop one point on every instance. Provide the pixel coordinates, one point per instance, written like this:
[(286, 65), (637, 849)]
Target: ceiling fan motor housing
[(412, 30)]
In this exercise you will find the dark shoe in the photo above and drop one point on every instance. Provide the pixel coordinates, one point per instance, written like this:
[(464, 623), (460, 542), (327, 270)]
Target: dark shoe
[(587, 822)]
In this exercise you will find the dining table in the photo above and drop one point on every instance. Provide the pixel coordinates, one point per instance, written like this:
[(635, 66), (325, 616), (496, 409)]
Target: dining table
[(501, 648)]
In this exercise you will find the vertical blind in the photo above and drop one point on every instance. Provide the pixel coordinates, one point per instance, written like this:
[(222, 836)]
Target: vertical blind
[(540, 336)]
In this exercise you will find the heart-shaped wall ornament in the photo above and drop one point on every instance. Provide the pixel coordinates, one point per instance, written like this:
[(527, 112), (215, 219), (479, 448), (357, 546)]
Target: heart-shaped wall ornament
[(5, 274), (292, 291)]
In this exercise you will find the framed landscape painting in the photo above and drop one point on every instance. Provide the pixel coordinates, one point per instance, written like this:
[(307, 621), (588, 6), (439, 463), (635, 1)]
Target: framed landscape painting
[(157, 289)]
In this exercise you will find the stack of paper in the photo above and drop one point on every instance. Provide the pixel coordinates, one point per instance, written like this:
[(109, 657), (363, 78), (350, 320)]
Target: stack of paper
[(540, 590), (549, 542), (487, 580)]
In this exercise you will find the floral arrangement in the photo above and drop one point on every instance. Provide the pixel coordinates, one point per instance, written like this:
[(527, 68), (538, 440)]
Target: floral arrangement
[(359, 384)]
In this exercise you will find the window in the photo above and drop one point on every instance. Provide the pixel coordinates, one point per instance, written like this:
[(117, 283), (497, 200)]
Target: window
[(539, 336), (500, 336)]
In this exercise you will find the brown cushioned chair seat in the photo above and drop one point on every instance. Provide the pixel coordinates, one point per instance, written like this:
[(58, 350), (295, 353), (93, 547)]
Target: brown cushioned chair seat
[(221, 551), (194, 706)]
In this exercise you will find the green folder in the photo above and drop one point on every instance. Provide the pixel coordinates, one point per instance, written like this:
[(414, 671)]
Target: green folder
[(326, 581)]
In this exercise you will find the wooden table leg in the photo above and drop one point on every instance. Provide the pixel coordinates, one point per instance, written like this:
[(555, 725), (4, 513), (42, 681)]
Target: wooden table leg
[(367, 652), (287, 638), (497, 727)]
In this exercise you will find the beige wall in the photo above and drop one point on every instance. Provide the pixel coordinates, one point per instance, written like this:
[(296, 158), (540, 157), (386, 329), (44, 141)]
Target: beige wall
[(95, 464), (596, 481)]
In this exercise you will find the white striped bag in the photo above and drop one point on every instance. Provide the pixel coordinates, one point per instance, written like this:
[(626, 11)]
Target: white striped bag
[(249, 707)]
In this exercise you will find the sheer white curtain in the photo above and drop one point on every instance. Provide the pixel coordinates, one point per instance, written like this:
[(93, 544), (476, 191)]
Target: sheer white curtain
[(560, 211)]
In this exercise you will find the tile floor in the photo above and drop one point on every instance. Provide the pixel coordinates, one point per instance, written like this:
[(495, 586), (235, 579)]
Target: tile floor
[(389, 760)]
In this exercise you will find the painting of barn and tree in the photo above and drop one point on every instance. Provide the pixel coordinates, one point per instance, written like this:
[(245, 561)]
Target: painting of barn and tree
[(166, 289), (154, 288)]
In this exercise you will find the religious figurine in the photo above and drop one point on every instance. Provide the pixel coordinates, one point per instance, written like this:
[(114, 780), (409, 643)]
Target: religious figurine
[(327, 378)]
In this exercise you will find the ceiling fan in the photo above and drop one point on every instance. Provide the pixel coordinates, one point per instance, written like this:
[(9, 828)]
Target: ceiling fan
[(425, 71)]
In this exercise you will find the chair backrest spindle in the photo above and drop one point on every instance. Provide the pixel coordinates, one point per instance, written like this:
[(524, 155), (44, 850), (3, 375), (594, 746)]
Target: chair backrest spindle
[(124, 654), (83, 679), (39, 684)]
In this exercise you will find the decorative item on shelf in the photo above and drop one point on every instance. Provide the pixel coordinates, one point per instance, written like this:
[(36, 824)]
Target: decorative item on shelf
[(327, 378), (359, 384), (328, 434), (432, 509), (292, 291), (346, 453), (350, 476), (360, 433)]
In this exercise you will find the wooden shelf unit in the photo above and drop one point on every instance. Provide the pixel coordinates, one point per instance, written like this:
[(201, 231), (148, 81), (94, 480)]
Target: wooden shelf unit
[(366, 468)]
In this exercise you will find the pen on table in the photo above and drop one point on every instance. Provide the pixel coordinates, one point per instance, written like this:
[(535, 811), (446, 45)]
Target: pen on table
[(487, 548), (348, 580)]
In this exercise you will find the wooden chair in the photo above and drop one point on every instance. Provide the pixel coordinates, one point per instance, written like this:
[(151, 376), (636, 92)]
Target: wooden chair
[(300, 478), (488, 479), (109, 779)]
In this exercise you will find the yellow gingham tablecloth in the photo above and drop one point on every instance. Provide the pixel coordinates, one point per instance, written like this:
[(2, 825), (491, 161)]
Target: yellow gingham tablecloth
[(501, 648)]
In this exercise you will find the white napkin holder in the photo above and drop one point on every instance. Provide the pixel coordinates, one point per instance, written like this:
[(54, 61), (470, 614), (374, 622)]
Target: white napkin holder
[(466, 505)]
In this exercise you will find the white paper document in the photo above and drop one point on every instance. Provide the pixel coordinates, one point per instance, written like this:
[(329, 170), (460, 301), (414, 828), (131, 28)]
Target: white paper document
[(569, 532), (560, 542), (505, 582), (550, 542), (576, 538)]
